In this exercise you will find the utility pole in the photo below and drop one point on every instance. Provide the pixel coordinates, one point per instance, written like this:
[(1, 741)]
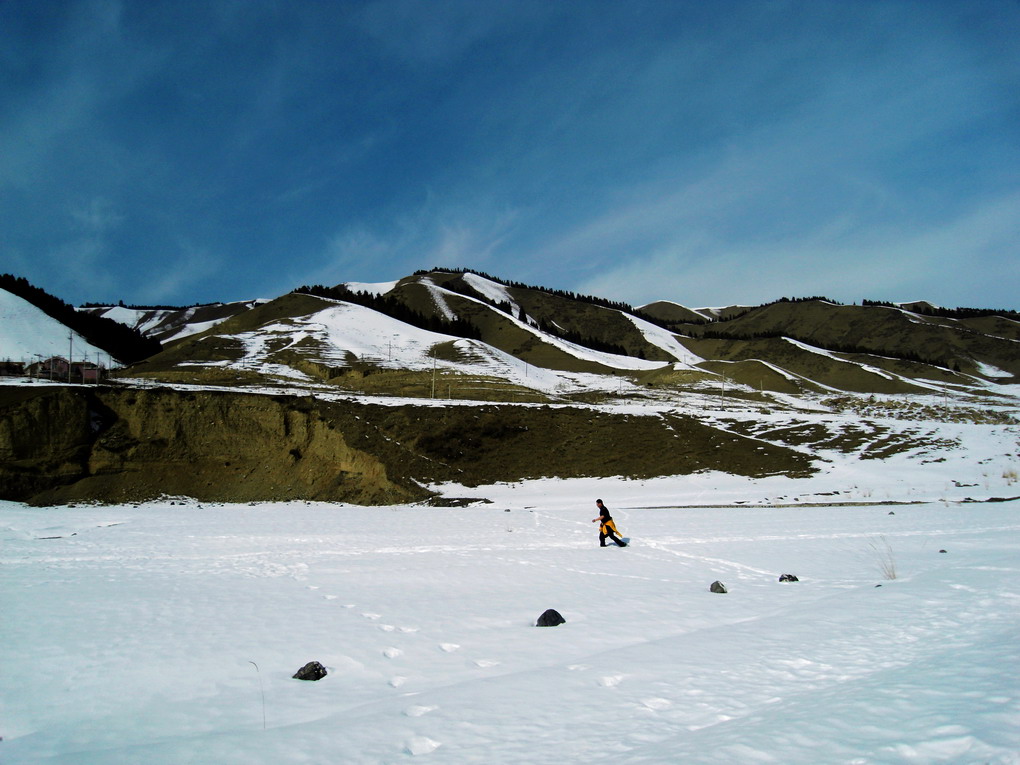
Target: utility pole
[(70, 348)]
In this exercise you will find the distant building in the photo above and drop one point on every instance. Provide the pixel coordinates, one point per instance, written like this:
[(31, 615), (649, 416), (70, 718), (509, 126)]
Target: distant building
[(53, 368), (87, 371), (56, 368)]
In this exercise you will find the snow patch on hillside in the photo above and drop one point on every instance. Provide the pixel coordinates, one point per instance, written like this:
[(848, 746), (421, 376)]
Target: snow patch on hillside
[(141, 319), (666, 340), (373, 288), (987, 370), (346, 332), (438, 295), (497, 293)]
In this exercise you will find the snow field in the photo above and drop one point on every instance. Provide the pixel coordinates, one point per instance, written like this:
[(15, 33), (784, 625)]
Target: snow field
[(130, 635)]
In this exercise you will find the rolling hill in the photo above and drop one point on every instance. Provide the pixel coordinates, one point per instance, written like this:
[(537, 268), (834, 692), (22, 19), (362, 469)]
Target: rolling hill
[(365, 337), (375, 393)]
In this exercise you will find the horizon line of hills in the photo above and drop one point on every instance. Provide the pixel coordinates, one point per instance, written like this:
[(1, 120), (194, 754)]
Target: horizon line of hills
[(131, 345), (920, 306)]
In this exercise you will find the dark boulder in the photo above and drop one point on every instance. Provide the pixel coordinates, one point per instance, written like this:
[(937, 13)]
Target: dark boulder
[(550, 618), (788, 578), (311, 671), (718, 587)]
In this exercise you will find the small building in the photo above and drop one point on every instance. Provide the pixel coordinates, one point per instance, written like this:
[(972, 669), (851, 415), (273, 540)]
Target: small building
[(86, 372), (58, 368), (53, 368)]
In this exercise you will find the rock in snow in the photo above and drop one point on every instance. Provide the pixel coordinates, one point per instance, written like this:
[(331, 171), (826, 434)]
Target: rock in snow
[(550, 618), (311, 671)]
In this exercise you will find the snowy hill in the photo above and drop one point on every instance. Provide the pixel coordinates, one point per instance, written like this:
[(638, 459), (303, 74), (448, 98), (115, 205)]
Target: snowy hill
[(27, 334), (459, 377), (482, 327)]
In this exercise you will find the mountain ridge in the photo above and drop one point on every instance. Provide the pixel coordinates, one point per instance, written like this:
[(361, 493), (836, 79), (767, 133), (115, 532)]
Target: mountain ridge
[(365, 393), (566, 332)]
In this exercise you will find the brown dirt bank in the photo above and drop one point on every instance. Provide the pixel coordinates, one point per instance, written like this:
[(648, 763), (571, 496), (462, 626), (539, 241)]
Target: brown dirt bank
[(115, 444)]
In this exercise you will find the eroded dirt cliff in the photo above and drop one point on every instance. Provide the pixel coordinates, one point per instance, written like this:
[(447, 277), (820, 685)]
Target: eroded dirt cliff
[(113, 444)]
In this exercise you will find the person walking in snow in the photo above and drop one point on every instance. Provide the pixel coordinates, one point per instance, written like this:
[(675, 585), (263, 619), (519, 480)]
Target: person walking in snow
[(607, 527)]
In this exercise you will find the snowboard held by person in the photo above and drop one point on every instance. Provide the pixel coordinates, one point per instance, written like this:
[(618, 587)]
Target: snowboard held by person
[(607, 527)]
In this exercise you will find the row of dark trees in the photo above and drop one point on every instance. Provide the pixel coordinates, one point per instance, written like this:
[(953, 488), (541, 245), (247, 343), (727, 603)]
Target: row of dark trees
[(121, 304), (950, 313), (124, 343)]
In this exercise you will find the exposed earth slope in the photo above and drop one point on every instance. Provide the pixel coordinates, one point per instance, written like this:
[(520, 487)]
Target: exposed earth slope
[(123, 444)]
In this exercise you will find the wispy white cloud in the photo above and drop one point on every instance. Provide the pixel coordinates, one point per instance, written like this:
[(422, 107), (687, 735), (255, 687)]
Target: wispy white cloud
[(435, 234), (97, 215), (81, 262), (604, 147), (974, 251), (857, 188), (178, 273)]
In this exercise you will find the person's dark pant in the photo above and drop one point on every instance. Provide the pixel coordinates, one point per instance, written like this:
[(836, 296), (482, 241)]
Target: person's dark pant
[(609, 533)]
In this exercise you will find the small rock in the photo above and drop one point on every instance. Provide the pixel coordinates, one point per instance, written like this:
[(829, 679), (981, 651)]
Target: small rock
[(942, 551), (311, 671), (550, 618), (718, 587), (788, 578)]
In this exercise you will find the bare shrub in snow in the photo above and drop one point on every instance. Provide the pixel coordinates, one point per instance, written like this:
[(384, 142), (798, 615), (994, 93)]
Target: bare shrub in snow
[(884, 557)]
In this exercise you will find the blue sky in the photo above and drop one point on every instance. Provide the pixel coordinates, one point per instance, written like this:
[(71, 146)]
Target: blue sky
[(709, 153)]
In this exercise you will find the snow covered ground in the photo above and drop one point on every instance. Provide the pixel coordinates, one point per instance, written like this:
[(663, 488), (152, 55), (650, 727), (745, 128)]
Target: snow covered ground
[(169, 632)]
